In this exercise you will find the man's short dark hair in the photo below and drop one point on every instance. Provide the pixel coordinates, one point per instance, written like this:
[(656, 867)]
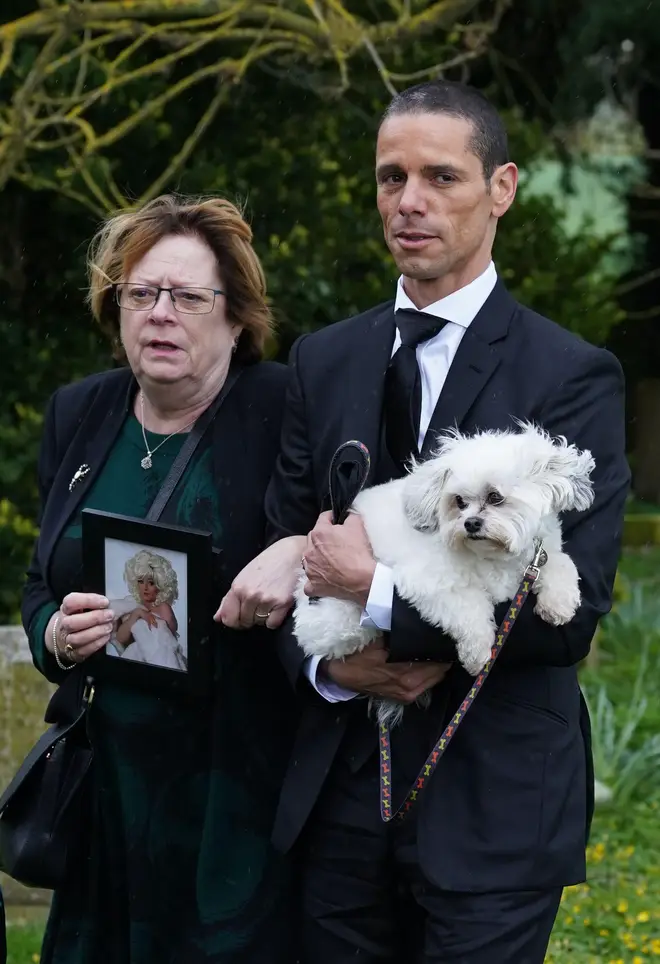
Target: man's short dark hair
[(488, 141)]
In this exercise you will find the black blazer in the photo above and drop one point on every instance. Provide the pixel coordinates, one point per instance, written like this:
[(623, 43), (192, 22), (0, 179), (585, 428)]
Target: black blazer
[(81, 424), (510, 803)]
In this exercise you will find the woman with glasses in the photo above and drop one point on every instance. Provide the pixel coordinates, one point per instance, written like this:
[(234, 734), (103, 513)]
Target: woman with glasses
[(179, 868)]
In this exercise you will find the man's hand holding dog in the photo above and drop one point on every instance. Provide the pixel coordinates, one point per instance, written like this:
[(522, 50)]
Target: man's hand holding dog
[(369, 672), (338, 560)]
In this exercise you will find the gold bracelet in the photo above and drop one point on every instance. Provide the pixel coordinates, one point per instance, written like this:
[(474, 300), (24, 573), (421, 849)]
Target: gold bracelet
[(56, 650)]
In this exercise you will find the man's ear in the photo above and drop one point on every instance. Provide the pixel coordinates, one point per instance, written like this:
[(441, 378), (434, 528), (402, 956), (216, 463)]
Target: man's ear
[(503, 187)]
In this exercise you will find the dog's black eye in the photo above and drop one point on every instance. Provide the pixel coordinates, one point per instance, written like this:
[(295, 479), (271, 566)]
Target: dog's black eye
[(460, 502), (494, 498)]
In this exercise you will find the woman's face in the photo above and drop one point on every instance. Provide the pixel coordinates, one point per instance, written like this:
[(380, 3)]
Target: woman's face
[(165, 345), (148, 591)]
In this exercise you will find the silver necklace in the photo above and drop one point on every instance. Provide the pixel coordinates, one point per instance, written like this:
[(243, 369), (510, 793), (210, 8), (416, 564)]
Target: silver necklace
[(147, 462)]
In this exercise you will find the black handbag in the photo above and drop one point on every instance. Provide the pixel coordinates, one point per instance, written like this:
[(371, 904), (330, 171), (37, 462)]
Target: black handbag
[(44, 810)]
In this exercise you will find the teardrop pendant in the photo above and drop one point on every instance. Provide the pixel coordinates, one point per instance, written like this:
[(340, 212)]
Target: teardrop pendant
[(146, 462)]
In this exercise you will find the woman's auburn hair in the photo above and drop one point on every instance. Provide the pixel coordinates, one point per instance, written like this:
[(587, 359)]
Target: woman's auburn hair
[(124, 239)]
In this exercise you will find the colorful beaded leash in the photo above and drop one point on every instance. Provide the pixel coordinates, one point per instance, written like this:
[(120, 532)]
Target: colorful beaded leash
[(530, 577)]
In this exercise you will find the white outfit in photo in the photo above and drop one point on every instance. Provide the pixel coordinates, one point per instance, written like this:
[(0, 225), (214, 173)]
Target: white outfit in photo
[(156, 645)]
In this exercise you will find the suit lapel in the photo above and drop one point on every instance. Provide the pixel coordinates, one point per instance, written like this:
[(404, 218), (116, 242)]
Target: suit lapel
[(478, 357), (363, 391)]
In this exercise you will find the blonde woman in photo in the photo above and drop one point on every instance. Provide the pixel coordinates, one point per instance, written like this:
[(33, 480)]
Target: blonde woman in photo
[(148, 632)]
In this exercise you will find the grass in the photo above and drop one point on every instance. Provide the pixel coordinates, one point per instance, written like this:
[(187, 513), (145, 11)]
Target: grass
[(642, 566), (23, 941), (615, 917), (640, 507)]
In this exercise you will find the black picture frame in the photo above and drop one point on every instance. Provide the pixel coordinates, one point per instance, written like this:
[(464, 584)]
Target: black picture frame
[(109, 538)]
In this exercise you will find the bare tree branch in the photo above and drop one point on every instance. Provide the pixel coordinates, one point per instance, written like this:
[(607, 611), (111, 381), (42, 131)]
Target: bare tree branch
[(639, 282), (385, 75), (91, 54), (643, 315), (177, 162)]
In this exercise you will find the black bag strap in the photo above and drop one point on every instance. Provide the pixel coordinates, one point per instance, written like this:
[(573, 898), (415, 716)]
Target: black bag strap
[(69, 701), (188, 448)]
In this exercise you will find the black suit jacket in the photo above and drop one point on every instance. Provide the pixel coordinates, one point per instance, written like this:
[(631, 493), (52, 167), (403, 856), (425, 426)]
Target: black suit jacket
[(82, 422), (510, 803)]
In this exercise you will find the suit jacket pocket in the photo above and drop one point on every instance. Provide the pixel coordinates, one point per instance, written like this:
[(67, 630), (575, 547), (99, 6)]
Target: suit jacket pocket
[(495, 696), (503, 788)]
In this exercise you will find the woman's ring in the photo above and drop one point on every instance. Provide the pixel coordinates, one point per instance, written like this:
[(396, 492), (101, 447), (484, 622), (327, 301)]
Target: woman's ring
[(68, 649), (262, 617)]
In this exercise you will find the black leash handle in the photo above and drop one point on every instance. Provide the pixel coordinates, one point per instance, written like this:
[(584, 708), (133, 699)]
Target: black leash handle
[(349, 470), (348, 473)]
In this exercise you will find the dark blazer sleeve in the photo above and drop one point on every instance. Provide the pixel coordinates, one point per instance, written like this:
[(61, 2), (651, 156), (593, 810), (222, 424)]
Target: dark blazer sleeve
[(291, 502), (589, 410), (36, 594)]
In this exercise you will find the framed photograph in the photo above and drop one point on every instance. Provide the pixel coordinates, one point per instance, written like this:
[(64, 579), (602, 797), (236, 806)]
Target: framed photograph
[(158, 579)]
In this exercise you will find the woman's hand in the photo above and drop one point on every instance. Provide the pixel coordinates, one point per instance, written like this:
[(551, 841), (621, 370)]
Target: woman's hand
[(262, 593), (84, 625)]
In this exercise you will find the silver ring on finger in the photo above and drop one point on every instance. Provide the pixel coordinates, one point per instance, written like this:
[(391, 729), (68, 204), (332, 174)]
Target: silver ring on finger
[(262, 617)]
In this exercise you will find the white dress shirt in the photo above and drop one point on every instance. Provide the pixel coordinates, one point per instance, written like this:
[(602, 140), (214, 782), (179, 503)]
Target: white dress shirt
[(434, 358)]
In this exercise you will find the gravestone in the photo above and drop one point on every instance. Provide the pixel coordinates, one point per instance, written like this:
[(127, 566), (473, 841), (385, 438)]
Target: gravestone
[(24, 694)]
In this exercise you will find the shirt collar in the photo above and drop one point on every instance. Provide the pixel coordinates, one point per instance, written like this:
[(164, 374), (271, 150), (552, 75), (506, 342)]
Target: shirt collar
[(462, 306)]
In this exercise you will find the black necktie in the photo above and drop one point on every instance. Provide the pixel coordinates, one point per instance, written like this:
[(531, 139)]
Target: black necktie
[(403, 384)]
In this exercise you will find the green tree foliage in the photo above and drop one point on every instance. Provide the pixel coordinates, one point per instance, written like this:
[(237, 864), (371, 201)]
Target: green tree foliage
[(590, 72)]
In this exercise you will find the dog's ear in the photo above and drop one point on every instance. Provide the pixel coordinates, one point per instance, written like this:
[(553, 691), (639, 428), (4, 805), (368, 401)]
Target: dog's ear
[(422, 493), (566, 471)]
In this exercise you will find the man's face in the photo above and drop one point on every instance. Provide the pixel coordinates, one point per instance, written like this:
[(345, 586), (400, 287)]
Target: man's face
[(439, 213)]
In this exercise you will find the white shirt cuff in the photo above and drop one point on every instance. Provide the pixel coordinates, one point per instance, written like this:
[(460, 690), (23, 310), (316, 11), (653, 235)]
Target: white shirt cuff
[(378, 612), (325, 688)]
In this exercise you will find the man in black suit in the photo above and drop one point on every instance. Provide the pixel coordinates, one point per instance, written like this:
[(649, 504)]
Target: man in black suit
[(475, 873)]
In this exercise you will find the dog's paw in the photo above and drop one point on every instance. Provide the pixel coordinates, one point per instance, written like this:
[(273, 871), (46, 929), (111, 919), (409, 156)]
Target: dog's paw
[(557, 610), (475, 652), (474, 665)]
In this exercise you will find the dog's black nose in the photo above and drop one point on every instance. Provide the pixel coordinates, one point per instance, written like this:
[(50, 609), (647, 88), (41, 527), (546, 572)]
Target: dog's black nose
[(473, 524)]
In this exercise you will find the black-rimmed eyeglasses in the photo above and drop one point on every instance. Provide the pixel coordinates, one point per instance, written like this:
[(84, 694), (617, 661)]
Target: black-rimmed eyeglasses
[(190, 301)]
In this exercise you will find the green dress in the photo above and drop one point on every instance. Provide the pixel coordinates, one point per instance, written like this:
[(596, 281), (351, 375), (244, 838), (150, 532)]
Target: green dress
[(180, 868)]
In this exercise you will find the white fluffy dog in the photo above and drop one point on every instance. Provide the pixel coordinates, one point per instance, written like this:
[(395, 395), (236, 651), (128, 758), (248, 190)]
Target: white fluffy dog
[(458, 532)]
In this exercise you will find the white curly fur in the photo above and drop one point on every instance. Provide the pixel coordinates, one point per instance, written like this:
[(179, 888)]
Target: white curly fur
[(454, 578)]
